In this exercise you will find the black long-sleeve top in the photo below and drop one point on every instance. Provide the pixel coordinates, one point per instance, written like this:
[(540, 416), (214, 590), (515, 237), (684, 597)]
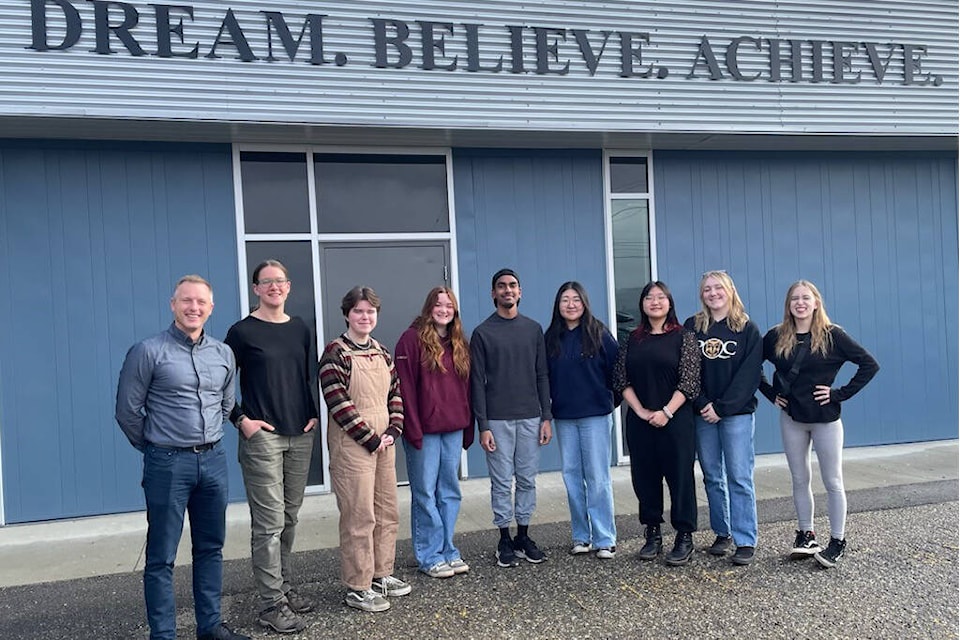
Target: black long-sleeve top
[(657, 365), (816, 369), (278, 373), (730, 367)]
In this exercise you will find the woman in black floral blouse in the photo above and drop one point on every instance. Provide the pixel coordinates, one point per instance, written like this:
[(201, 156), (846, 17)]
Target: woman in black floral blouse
[(658, 373)]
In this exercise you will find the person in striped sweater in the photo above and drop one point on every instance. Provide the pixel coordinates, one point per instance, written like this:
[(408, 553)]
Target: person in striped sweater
[(362, 391)]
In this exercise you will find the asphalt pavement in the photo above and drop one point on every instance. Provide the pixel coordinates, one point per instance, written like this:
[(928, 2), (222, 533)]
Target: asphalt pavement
[(899, 578)]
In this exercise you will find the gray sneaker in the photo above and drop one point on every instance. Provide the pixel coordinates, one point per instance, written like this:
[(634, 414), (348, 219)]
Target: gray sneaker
[(367, 600), (281, 619), (298, 604), (439, 570), (391, 586)]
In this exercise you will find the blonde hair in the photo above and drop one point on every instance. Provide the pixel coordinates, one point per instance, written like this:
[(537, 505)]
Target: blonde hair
[(736, 315), (430, 339), (193, 279), (821, 340)]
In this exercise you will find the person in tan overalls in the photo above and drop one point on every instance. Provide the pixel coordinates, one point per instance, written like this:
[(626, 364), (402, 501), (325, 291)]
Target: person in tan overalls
[(362, 392)]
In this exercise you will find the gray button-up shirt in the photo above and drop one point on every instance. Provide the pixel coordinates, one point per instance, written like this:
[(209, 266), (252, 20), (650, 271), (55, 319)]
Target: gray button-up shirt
[(174, 392)]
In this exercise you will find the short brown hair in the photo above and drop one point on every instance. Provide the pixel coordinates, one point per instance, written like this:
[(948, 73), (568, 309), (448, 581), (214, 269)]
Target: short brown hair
[(357, 294)]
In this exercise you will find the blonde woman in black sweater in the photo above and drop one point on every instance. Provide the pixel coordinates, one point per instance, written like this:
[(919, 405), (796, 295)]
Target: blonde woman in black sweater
[(807, 351)]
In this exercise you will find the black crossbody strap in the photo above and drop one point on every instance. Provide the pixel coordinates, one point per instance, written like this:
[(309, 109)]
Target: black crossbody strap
[(797, 360)]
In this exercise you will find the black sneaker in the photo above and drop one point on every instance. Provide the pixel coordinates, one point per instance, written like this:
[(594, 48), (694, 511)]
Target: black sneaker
[(743, 556), (830, 556), (281, 619), (654, 543), (720, 546), (682, 550), (505, 554), (805, 545), (222, 632), (528, 550)]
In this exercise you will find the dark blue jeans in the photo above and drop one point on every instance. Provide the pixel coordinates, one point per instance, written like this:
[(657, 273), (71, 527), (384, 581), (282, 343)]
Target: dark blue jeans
[(175, 482)]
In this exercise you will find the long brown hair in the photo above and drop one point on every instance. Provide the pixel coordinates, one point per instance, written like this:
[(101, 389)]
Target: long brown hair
[(736, 315), (431, 347), (821, 340)]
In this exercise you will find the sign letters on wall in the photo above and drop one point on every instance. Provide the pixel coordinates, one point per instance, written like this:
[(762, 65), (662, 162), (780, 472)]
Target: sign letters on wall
[(57, 26)]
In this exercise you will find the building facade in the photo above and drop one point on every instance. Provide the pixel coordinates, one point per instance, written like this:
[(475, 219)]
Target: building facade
[(407, 145)]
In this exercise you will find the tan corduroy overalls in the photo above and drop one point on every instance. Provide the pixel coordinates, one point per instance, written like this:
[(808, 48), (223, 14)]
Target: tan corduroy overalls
[(365, 484)]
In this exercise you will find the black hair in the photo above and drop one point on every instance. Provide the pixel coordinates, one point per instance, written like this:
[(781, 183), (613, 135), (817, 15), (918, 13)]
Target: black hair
[(592, 327)]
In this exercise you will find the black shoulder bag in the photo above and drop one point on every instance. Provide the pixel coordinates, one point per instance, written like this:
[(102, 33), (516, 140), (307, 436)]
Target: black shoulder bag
[(783, 383)]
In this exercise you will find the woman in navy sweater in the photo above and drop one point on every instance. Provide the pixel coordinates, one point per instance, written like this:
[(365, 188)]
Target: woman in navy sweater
[(581, 354), (433, 360), (808, 351)]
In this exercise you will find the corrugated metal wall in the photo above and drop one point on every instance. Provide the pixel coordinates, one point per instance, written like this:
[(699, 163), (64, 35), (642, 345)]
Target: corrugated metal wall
[(539, 213), (78, 82), (92, 239), (877, 233)]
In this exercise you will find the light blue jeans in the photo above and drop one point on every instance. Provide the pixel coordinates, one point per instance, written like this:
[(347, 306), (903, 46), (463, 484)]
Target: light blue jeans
[(725, 450), (585, 459), (435, 496), (517, 455)]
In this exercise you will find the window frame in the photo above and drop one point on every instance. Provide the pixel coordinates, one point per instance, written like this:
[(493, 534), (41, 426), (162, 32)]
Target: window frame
[(609, 197)]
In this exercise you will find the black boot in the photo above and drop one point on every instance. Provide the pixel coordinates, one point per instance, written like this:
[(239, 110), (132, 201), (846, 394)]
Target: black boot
[(682, 550), (654, 543)]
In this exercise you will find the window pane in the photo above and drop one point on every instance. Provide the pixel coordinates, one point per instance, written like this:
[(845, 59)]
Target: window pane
[(381, 193), (628, 175), (275, 197), (631, 259), (297, 257)]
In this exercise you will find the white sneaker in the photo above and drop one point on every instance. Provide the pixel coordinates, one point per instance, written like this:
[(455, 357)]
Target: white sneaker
[(579, 548), (607, 553), (391, 586), (439, 570), (366, 601), (459, 566)]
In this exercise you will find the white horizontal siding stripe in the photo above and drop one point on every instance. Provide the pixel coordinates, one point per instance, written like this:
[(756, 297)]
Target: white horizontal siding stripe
[(81, 83)]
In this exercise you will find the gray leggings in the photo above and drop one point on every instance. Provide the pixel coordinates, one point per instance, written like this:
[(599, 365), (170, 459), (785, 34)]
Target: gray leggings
[(827, 439)]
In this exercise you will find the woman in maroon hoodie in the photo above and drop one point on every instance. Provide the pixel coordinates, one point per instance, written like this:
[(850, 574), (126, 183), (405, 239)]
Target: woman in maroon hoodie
[(433, 360)]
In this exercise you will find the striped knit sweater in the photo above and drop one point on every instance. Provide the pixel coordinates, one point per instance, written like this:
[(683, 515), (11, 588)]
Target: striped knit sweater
[(335, 368)]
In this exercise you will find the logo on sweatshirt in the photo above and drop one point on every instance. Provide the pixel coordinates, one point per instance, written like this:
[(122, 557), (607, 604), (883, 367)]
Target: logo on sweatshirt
[(717, 349)]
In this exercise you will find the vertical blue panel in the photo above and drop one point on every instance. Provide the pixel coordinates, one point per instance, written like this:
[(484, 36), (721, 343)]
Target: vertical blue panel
[(92, 239), (540, 213), (876, 232)]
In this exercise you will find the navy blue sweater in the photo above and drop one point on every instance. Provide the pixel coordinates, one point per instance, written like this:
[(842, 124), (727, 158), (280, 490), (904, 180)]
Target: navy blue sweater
[(580, 386)]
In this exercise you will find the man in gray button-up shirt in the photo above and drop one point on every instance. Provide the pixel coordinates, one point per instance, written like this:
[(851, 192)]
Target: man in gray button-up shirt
[(176, 390)]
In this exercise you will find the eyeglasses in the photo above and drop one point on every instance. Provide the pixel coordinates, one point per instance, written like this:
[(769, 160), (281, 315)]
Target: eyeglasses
[(706, 273), (266, 282)]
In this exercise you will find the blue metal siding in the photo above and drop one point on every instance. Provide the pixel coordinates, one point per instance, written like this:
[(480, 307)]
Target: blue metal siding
[(540, 213), (93, 236), (877, 233)]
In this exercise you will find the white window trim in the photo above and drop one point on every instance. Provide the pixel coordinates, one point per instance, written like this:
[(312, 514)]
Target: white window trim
[(315, 238), (608, 198)]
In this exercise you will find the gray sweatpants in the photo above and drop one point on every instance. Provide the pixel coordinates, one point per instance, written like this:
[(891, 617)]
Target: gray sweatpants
[(517, 457), (827, 439)]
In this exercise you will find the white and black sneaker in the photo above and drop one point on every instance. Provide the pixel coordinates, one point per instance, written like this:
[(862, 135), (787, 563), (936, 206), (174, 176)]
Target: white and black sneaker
[(804, 546), (367, 600), (391, 586), (830, 556)]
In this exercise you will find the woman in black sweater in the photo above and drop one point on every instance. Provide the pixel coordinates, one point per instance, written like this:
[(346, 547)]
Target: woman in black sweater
[(807, 351), (277, 418), (658, 373), (732, 358)]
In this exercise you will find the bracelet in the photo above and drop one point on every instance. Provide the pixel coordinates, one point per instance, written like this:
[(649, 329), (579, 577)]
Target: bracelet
[(667, 413)]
